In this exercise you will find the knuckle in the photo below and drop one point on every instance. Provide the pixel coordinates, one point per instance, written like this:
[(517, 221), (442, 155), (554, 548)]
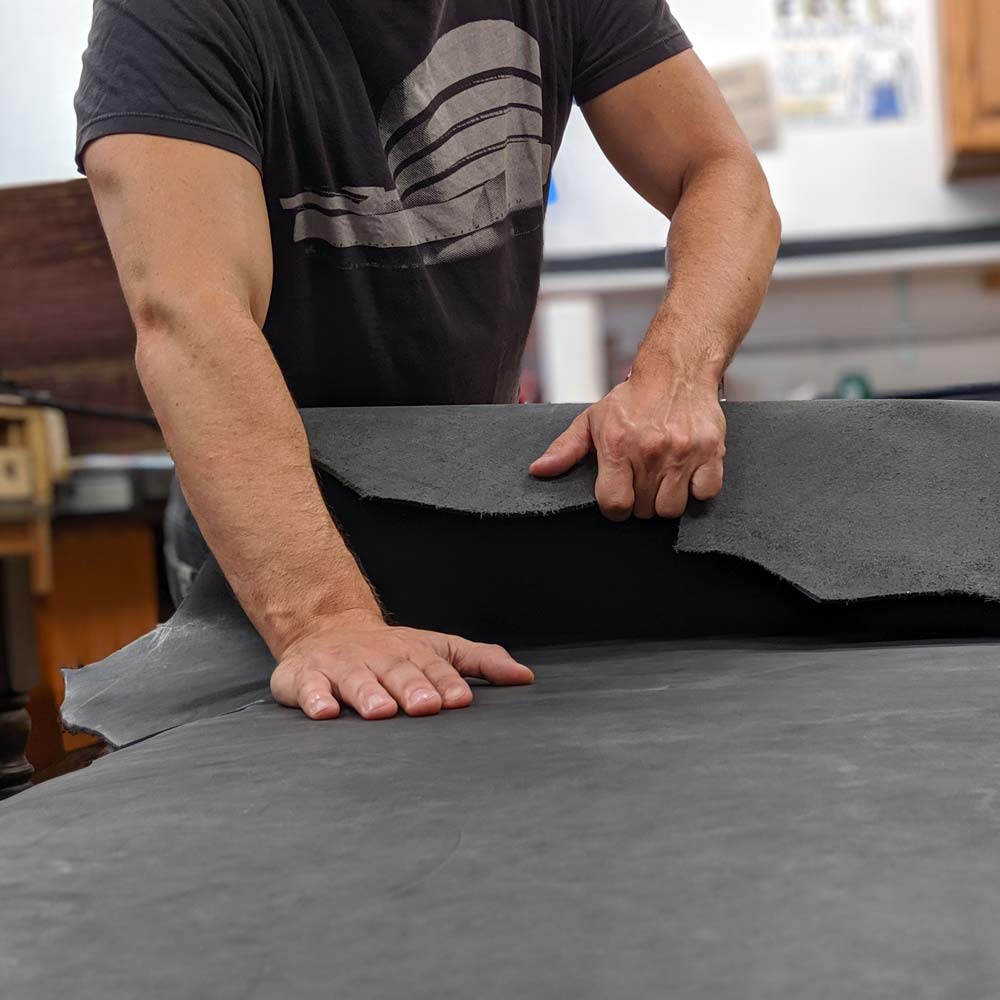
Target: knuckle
[(441, 671), (392, 667), (308, 685), (278, 688), (613, 495), (681, 443), (617, 501), (707, 489), (615, 506), (669, 509), (292, 665), (709, 442), (368, 692)]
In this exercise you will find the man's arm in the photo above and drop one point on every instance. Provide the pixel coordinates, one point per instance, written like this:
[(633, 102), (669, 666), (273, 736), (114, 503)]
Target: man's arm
[(188, 228), (660, 436)]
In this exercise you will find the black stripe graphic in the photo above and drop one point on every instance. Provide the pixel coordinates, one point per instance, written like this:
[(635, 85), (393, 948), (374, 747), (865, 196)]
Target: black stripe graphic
[(465, 161), (461, 127), (456, 88)]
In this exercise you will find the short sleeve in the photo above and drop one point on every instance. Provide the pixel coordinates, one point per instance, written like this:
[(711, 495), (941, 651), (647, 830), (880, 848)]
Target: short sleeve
[(619, 39), (186, 69)]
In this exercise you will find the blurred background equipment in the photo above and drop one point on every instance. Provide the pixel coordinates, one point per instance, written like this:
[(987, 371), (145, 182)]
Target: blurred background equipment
[(885, 165)]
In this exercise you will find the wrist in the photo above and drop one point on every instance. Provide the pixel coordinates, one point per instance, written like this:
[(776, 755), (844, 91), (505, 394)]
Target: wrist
[(683, 349), (657, 364), (283, 628)]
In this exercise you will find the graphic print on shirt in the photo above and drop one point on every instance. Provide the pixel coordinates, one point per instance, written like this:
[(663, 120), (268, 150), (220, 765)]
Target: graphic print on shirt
[(462, 136)]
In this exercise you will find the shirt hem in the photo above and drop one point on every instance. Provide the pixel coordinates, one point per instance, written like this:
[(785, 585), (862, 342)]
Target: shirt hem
[(163, 125), (632, 65)]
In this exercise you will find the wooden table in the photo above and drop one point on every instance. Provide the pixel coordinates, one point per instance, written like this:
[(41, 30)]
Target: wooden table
[(32, 457), (18, 671)]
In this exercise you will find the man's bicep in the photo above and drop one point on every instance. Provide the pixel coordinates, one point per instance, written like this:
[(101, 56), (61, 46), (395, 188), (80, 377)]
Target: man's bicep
[(657, 126), (186, 222)]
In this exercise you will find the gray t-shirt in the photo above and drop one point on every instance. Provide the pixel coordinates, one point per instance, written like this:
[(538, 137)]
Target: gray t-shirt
[(405, 150)]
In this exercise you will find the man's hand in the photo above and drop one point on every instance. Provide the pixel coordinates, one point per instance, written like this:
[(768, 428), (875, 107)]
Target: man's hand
[(657, 442), (660, 436), (356, 659)]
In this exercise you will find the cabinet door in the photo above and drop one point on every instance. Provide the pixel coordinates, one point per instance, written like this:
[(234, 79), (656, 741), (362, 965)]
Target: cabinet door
[(971, 30), (988, 61)]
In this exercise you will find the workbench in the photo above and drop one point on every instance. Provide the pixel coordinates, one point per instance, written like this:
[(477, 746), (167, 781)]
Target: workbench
[(805, 812)]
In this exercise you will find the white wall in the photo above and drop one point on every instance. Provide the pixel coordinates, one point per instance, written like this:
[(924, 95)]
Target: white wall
[(827, 180), (41, 42)]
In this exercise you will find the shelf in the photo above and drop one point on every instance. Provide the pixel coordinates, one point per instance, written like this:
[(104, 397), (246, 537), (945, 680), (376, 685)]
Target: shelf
[(837, 258)]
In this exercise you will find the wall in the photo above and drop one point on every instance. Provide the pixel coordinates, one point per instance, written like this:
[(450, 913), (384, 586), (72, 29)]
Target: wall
[(827, 180), (42, 41)]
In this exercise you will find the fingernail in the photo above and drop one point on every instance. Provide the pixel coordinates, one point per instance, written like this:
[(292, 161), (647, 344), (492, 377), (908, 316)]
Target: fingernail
[(375, 701), (422, 696), (320, 704), (457, 691)]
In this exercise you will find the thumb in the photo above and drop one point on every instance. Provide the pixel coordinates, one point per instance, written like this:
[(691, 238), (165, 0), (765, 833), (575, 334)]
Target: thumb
[(485, 661), (569, 448)]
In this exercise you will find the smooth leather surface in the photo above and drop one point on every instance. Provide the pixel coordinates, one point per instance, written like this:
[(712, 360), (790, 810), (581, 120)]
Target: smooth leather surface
[(706, 819)]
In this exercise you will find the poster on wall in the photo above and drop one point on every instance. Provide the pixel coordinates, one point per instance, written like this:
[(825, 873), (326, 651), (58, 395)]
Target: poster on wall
[(845, 62), (747, 88)]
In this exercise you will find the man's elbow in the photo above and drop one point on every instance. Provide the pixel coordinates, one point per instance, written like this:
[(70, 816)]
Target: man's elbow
[(734, 174), (764, 207), (172, 328), (772, 220)]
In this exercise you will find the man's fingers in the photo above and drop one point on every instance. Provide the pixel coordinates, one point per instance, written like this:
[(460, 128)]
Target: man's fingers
[(358, 687), (646, 485), (614, 489), (569, 448), (454, 691), (413, 692), (707, 480), (487, 662), (310, 690), (672, 496)]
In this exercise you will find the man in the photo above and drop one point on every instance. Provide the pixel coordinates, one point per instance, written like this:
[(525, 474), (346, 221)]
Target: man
[(313, 202)]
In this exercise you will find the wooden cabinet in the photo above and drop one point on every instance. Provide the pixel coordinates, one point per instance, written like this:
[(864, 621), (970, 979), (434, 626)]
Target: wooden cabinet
[(104, 596), (970, 34)]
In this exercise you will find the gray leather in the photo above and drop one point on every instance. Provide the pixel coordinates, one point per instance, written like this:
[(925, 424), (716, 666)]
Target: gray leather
[(721, 818), (712, 820), (840, 499)]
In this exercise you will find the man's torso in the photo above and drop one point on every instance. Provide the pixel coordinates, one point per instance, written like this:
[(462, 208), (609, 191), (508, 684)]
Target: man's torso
[(405, 150)]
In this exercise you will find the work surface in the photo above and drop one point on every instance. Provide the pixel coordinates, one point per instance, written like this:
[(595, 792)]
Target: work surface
[(691, 810), (691, 819)]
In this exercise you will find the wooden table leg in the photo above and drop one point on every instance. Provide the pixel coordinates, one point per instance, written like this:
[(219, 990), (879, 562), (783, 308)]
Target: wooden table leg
[(18, 667), (15, 771)]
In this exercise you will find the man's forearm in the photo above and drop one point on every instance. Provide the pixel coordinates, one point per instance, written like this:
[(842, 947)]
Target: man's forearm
[(243, 462), (723, 241)]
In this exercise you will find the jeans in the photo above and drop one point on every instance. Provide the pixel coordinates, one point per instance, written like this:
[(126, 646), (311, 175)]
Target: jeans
[(184, 549)]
